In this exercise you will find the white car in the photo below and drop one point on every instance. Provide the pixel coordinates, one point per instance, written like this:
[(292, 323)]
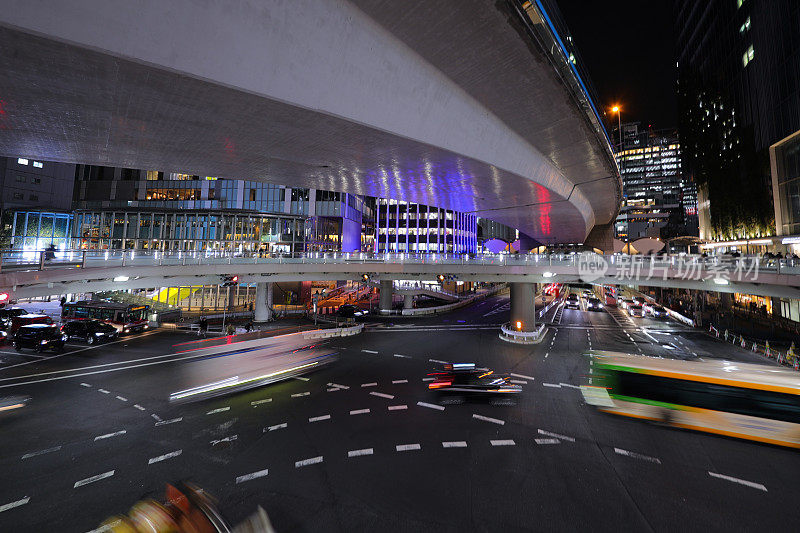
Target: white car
[(635, 310)]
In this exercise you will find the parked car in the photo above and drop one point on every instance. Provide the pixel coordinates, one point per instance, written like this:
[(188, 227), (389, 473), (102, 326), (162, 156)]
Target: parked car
[(90, 331), (625, 302), (7, 314), (39, 337), (25, 320)]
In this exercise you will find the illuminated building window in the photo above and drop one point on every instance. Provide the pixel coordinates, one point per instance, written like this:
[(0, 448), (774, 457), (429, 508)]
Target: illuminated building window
[(37, 164), (745, 27), (748, 56), (152, 175), (22, 161)]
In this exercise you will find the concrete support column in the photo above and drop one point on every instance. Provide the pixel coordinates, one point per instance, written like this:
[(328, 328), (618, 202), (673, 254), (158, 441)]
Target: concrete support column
[(263, 304), (408, 301), (385, 300), (522, 306)]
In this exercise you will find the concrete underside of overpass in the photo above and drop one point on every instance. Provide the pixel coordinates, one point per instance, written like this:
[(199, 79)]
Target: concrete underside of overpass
[(448, 103)]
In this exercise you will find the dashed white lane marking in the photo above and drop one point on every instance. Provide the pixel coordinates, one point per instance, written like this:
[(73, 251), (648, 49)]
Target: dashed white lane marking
[(403, 356), (407, 447), (92, 479), (569, 386), (428, 379), (556, 435), (338, 386), (155, 417), (554, 385), (635, 455), (398, 381), (103, 391), (523, 376), (359, 411), (547, 441), (546, 355), (454, 444), (85, 385), (488, 419), (319, 418), (164, 457), (299, 394), (306, 462), (275, 427), (171, 421), (139, 407), (333, 389), (259, 402), (251, 476), (41, 452), (369, 351), (431, 406), (437, 361), (220, 410), (373, 384), (518, 381), (382, 395), (503, 442), (397, 407), (226, 439), (17, 503), (358, 453), (301, 378), (109, 435), (744, 482), (122, 399)]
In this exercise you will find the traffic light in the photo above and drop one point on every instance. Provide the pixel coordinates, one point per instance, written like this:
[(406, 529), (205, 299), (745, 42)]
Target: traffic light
[(230, 281)]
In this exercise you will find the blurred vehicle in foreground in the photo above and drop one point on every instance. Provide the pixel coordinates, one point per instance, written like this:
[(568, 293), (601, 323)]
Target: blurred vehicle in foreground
[(91, 330), (39, 337), (238, 365), (466, 379), (756, 402), (13, 403), (186, 509)]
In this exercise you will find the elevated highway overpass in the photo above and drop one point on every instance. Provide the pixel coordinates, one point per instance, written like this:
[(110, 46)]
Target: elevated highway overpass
[(472, 105)]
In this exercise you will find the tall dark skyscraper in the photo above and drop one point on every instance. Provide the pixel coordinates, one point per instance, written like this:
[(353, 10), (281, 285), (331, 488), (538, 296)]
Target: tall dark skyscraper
[(738, 94)]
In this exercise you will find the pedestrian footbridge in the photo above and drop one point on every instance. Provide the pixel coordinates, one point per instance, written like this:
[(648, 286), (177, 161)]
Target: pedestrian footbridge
[(27, 275)]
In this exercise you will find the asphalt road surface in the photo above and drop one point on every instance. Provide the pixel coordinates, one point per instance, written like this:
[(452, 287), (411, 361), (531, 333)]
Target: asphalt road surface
[(362, 445)]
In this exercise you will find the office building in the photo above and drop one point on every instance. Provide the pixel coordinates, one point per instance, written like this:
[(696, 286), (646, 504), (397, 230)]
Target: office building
[(408, 227), (738, 94), (658, 202)]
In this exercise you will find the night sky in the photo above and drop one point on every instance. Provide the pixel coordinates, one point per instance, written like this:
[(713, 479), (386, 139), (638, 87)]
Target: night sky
[(627, 46)]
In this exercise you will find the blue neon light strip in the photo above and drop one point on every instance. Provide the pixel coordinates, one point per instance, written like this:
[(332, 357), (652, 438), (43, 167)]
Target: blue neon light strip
[(572, 66)]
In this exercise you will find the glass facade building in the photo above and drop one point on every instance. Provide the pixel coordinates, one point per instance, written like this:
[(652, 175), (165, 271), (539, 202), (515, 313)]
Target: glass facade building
[(407, 227), (36, 230), (657, 200), (187, 230)]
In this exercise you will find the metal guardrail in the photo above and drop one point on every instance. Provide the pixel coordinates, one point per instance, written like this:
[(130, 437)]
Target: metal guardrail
[(20, 260), (786, 358)]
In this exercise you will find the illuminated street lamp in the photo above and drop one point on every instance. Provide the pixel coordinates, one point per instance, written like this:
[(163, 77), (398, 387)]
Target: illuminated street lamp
[(616, 110)]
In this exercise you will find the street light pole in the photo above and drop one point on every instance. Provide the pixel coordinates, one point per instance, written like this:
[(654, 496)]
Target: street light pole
[(618, 111)]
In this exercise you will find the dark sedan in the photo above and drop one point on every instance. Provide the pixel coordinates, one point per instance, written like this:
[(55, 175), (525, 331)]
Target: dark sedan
[(90, 331), (39, 337)]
